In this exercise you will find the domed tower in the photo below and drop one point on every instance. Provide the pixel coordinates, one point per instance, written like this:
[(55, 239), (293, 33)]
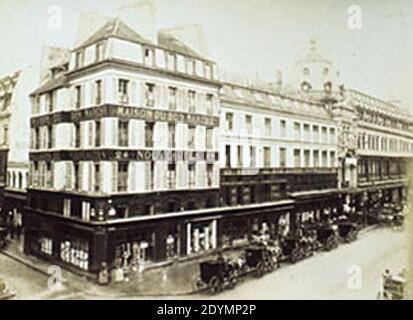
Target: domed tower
[(316, 73)]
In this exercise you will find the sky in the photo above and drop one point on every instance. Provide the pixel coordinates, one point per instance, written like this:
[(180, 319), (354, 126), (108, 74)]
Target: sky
[(250, 38)]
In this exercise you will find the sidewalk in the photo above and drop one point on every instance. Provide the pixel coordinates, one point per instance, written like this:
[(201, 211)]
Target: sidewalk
[(179, 278)]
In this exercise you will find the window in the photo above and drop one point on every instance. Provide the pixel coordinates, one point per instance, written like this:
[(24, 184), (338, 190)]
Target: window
[(316, 133), (210, 174), (191, 101), (332, 159), (97, 133), (123, 133), (316, 158), (297, 131), (191, 175), (171, 61), (267, 157), (209, 137), (324, 159), (239, 156), (283, 157), (228, 156), (332, 135), (307, 158), (123, 89), (97, 177), (5, 135), (78, 97), (77, 135), (297, 158), (149, 134), (306, 71), (191, 137), (229, 118), (210, 103), (98, 92), (149, 175), (46, 245), (67, 203), (149, 94), (122, 176), (79, 59), (149, 57), (50, 101), (248, 124), (253, 160), (171, 135), (50, 137), (191, 63), (283, 128), (306, 132), (172, 98), (100, 50), (324, 134), (77, 176), (267, 126), (171, 175)]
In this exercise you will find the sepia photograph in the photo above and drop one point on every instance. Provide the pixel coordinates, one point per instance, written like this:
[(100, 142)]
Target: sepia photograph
[(207, 150)]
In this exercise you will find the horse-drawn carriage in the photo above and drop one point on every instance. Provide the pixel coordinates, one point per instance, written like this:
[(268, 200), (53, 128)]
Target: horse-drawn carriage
[(295, 248), (217, 275), (325, 235), (347, 230), (262, 259), (391, 215)]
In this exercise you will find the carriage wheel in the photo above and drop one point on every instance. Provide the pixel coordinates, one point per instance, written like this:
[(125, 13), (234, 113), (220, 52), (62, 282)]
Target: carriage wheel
[(260, 269), (232, 282), (295, 255), (215, 284)]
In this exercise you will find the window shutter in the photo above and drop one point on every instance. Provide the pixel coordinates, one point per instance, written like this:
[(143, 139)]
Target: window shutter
[(158, 93), (114, 176), (92, 88), (115, 90), (133, 94)]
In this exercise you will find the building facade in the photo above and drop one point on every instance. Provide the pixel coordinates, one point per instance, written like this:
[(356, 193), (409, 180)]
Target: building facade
[(128, 132), (140, 154)]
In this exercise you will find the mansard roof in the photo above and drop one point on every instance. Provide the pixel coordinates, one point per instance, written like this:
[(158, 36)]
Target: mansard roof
[(169, 42), (248, 95), (115, 28), (51, 84)]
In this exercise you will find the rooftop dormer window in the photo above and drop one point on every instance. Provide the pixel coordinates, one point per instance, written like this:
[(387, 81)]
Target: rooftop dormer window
[(79, 59), (100, 51), (170, 61), (149, 57)]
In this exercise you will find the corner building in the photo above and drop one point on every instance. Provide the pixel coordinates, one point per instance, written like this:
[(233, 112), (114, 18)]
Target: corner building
[(122, 141)]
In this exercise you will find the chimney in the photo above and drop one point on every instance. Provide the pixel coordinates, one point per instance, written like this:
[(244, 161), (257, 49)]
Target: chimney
[(140, 15), (89, 23), (50, 57)]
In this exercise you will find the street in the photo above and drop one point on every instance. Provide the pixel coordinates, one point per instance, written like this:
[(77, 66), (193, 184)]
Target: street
[(30, 284), (326, 275), (323, 276)]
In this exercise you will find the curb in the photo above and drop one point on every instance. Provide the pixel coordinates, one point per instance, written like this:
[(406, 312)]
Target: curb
[(25, 262), (95, 294)]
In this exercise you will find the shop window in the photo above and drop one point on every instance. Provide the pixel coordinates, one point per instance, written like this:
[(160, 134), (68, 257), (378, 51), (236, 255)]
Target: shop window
[(46, 245), (75, 252)]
